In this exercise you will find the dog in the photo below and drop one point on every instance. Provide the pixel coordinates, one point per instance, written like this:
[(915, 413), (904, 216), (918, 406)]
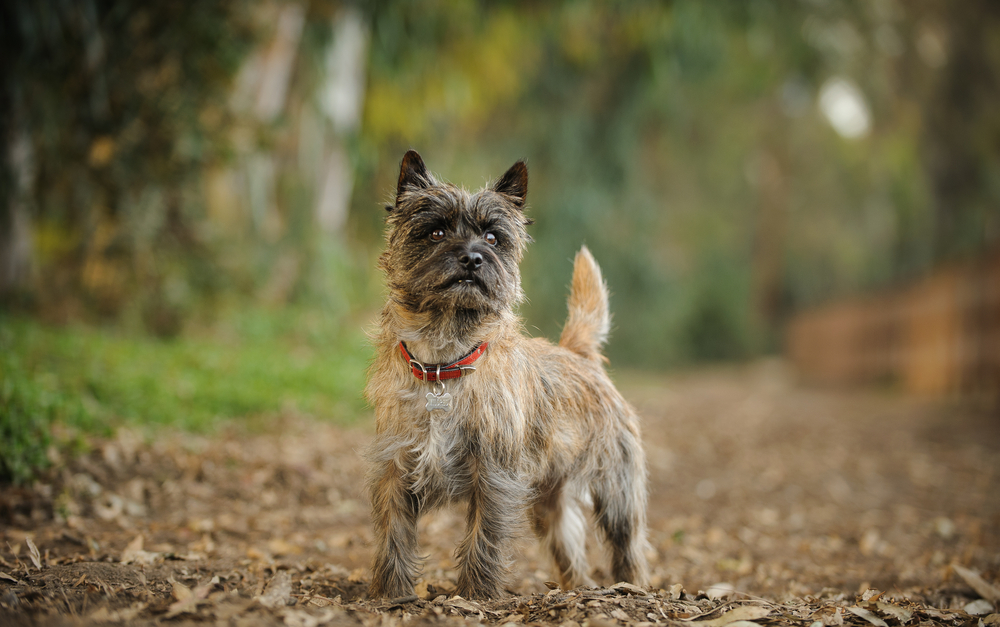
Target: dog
[(468, 408)]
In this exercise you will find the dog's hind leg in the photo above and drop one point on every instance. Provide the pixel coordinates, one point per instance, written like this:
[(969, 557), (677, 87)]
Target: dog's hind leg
[(561, 526), (619, 493)]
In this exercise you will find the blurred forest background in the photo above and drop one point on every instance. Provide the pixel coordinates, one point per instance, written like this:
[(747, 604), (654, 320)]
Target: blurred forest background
[(192, 191)]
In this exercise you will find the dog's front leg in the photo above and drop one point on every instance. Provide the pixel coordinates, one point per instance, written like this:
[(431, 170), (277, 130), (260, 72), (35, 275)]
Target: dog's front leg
[(496, 503), (395, 510)]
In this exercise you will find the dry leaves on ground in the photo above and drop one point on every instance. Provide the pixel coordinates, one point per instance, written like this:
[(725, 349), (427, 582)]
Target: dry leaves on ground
[(769, 505)]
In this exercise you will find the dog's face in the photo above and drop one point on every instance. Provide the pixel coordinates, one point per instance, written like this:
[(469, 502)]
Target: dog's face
[(451, 251)]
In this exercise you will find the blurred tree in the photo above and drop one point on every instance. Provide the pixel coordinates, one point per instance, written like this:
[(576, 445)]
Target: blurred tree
[(122, 105), (961, 142), (684, 142), (726, 162)]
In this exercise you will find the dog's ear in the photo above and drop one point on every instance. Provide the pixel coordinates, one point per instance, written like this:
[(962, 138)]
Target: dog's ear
[(412, 175), (514, 183)]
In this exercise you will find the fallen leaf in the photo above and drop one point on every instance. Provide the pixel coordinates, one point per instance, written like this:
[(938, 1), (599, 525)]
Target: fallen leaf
[(624, 586), (134, 553), (357, 575), (462, 604), (944, 527), (109, 507), (620, 615), (337, 570), (124, 615), (278, 546), (100, 615), (899, 613), (741, 613), (936, 613), (300, 618), (33, 553), (4, 575), (870, 596), (831, 616), (205, 545), (982, 587), (421, 590), (868, 616), (187, 599), (720, 591), (979, 607), (180, 591), (278, 591)]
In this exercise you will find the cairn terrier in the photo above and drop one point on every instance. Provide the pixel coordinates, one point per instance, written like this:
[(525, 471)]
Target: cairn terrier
[(469, 409)]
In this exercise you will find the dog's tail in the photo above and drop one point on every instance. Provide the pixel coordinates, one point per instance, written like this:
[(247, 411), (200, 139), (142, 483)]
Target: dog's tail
[(589, 320)]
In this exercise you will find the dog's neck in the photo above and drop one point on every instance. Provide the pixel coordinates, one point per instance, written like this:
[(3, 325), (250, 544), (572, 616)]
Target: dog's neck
[(443, 337)]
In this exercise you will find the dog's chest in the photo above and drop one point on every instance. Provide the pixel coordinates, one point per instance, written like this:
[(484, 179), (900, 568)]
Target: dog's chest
[(442, 445)]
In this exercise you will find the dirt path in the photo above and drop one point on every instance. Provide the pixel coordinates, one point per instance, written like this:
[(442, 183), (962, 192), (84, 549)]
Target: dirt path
[(769, 503)]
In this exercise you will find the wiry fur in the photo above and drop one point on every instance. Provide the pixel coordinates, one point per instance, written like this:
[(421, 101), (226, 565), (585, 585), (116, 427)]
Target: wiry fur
[(538, 429)]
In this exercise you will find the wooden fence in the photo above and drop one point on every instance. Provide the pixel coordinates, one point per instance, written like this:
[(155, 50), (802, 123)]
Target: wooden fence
[(939, 336)]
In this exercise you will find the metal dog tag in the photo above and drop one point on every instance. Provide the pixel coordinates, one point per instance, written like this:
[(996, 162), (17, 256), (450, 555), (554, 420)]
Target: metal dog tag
[(438, 401)]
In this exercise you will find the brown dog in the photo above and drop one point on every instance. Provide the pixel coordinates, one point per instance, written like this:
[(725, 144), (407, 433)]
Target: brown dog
[(468, 408)]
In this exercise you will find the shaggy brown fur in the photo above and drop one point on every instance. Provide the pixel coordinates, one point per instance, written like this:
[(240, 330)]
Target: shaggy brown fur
[(537, 432)]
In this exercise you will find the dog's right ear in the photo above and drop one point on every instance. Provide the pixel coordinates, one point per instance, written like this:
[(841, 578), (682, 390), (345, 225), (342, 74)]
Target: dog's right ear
[(412, 175)]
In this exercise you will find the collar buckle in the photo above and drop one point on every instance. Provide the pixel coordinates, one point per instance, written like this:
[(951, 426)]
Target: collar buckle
[(437, 372)]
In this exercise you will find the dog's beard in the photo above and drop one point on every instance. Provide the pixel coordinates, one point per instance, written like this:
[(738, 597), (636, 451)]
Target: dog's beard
[(443, 286), (479, 291), (470, 290)]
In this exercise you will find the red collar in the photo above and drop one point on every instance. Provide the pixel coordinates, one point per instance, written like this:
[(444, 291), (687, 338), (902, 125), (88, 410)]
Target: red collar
[(441, 372)]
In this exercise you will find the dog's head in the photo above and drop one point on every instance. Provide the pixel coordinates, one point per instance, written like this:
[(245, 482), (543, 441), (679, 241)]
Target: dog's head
[(450, 251)]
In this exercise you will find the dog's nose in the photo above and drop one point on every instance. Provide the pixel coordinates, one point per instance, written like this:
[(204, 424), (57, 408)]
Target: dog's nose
[(471, 260)]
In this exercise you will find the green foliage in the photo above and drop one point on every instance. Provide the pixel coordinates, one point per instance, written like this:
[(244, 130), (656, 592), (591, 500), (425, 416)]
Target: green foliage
[(254, 366), (31, 405), (123, 106), (682, 142)]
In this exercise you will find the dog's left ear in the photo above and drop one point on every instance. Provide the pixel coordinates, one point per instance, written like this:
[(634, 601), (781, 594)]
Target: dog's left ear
[(514, 183)]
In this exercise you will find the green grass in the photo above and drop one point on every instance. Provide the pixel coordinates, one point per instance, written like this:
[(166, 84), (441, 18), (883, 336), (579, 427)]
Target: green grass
[(252, 367)]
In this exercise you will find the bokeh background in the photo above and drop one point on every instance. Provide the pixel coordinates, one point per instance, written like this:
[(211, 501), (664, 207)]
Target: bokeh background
[(192, 192)]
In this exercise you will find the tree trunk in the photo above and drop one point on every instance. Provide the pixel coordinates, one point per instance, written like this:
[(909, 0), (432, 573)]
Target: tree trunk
[(16, 250)]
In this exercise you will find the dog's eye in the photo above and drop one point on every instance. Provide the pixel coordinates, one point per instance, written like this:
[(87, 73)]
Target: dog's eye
[(491, 239), (437, 235)]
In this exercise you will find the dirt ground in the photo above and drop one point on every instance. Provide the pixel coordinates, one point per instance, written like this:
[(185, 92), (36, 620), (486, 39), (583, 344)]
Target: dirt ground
[(770, 503)]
